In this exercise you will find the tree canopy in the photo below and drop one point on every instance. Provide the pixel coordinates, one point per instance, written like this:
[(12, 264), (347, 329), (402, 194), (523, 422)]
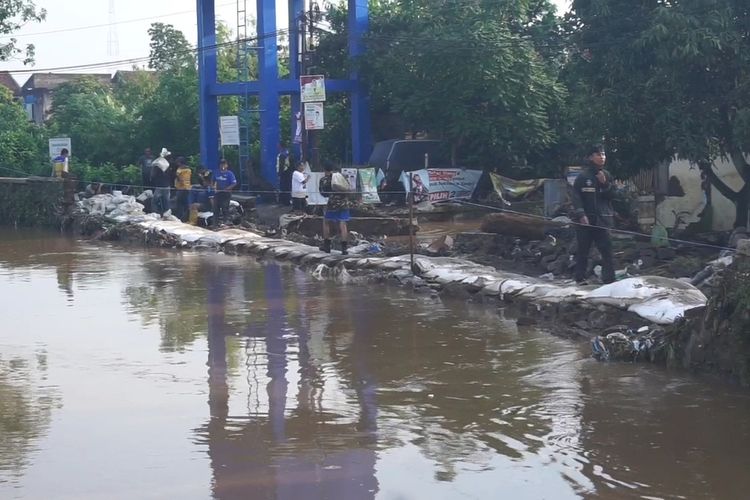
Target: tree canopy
[(663, 79), (14, 14)]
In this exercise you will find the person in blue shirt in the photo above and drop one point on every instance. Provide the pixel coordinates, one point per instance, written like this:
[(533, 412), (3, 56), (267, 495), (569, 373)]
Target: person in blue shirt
[(225, 183), (202, 196)]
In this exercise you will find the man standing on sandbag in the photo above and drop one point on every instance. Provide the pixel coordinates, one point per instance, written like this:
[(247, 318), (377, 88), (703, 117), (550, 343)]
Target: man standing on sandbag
[(592, 192)]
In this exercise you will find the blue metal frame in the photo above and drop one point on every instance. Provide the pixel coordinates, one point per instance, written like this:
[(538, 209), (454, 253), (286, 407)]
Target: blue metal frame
[(270, 87)]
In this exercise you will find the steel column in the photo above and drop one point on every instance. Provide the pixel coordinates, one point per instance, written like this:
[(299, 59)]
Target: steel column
[(208, 103), (268, 70), (361, 135)]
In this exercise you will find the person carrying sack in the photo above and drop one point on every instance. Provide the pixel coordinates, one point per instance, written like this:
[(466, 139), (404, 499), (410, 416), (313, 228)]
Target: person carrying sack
[(335, 188)]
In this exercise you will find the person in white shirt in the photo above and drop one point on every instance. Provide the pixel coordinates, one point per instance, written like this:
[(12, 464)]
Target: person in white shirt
[(299, 188)]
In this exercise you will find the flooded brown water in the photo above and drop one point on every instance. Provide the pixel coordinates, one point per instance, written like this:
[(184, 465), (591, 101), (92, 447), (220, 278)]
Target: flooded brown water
[(141, 374)]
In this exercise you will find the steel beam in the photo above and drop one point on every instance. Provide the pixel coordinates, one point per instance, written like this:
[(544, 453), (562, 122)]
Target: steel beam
[(358, 17), (268, 70), (208, 103)]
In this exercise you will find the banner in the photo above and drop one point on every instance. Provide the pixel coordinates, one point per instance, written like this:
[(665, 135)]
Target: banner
[(351, 176), (420, 182), (368, 185), (229, 130), (312, 88), (507, 188), (452, 183), (57, 144), (314, 116)]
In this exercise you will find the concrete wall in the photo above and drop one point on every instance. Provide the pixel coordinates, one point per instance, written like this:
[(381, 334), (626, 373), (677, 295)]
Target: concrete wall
[(693, 201), (34, 201)]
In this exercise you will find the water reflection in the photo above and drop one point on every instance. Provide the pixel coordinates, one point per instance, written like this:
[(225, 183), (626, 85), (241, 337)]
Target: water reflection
[(282, 453), (26, 406), (251, 380)]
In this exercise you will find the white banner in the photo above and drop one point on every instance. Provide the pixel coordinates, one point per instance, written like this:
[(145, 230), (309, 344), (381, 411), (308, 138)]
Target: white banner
[(314, 119), (312, 88), (229, 127), (369, 185), (57, 144)]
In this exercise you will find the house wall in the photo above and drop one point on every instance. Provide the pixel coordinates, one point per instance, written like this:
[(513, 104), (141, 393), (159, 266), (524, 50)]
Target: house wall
[(694, 202)]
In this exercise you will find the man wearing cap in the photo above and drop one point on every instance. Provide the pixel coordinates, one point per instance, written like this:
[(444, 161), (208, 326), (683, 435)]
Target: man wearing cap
[(592, 191)]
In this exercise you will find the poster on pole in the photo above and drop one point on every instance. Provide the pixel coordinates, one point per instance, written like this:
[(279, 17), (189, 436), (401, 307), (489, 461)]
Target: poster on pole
[(314, 119), (57, 144), (369, 185), (312, 88), (229, 128)]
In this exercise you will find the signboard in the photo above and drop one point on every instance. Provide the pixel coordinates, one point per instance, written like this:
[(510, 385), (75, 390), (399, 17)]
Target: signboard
[(298, 128), (57, 144), (452, 183), (312, 88), (314, 119), (229, 127), (369, 185)]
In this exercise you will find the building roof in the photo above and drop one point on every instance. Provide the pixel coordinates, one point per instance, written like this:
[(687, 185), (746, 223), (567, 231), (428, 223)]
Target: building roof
[(7, 80), (51, 81)]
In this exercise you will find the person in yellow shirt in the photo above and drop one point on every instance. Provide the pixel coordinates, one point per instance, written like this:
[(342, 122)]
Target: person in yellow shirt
[(60, 164), (182, 183)]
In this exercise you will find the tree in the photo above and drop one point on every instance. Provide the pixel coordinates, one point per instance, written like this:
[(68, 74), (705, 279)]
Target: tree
[(14, 14), (663, 79), (22, 148), (477, 74), (170, 50), (86, 111), (169, 116)]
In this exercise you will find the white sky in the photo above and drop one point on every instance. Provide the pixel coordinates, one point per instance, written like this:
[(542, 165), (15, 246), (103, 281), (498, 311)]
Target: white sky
[(76, 46)]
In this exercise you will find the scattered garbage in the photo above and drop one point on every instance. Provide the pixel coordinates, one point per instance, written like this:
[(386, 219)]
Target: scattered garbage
[(624, 344)]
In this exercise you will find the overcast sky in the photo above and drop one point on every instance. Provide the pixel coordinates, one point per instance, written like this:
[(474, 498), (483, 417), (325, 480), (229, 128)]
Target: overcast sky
[(67, 38)]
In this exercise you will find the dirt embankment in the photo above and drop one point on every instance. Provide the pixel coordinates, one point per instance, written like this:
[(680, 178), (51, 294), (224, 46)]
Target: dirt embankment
[(718, 341)]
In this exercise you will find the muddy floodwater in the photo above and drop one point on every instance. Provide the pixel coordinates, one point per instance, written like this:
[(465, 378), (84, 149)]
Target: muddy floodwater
[(144, 374)]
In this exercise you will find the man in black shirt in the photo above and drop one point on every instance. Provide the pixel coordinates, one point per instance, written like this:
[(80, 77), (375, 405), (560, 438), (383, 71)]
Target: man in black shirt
[(592, 191)]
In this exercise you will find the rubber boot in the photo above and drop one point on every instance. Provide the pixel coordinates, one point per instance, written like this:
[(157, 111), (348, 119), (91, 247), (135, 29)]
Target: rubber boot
[(344, 246), (326, 246)]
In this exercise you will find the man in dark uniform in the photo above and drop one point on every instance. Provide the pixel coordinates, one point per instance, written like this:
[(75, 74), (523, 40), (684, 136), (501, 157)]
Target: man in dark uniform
[(592, 191)]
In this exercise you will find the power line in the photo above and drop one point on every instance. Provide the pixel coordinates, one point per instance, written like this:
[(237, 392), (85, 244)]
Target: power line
[(105, 25), (122, 62)]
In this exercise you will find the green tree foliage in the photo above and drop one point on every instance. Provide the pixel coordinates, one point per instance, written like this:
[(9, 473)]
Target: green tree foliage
[(14, 14), (170, 50), (21, 143), (98, 125), (472, 73), (661, 78)]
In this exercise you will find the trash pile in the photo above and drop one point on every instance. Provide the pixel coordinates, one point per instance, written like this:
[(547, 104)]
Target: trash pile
[(620, 343)]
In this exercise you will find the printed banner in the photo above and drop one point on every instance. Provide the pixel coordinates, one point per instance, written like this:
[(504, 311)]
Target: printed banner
[(368, 185), (57, 144), (441, 184), (420, 182), (351, 176), (314, 119), (229, 130), (312, 88)]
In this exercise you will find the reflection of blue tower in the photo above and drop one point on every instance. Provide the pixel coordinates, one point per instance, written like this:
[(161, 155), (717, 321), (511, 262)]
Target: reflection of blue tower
[(270, 86)]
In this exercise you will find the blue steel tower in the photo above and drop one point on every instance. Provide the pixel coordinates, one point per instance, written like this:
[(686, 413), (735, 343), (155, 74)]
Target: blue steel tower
[(270, 87)]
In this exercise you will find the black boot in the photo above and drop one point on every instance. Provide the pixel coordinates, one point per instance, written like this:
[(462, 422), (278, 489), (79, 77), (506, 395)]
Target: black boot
[(326, 246), (344, 245)]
